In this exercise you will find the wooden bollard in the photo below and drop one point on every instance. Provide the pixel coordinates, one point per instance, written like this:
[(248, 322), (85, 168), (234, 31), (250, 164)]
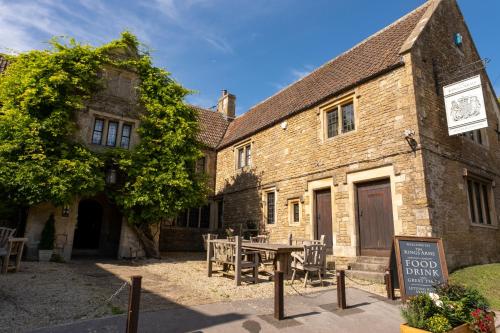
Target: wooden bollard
[(388, 284), (279, 307), (133, 304), (341, 302)]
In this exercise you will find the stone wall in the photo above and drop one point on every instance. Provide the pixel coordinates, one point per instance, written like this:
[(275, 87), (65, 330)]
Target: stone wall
[(296, 158), (437, 62)]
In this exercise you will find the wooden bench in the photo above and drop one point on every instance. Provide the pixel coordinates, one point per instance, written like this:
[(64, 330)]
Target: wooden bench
[(226, 253)]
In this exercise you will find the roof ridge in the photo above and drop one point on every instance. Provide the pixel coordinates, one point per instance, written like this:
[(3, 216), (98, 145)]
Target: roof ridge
[(342, 54)]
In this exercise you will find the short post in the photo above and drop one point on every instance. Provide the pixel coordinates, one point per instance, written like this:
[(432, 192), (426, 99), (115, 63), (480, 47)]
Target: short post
[(133, 304), (388, 284), (290, 239), (279, 308), (209, 255), (237, 261), (341, 303)]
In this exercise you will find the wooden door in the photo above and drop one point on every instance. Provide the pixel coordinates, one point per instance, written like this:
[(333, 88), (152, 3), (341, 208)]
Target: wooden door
[(323, 214), (374, 212)]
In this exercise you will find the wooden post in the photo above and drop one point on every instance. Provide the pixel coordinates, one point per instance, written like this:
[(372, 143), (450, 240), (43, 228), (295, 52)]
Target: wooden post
[(133, 304), (237, 261), (388, 284), (279, 308), (209, 255), (341, 303), (289, 239)]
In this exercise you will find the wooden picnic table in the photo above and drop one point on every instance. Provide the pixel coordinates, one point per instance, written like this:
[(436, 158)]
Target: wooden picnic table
[(282, 255)]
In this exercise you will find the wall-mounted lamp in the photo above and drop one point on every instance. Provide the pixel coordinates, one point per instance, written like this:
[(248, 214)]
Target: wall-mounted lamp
[(65, 211), (409, 137), (458, 39)]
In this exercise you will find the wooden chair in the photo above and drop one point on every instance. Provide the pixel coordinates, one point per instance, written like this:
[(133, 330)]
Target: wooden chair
[(5, 234), (303, 241), (227, 253), (205, 237), (15, 248), (266, 256), (310, 261)]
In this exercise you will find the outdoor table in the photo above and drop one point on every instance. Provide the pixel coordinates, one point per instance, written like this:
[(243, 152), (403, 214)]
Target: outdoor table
[(282, 252)]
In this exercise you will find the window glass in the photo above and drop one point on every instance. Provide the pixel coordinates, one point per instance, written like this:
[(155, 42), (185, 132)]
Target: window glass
[(248, 155), (112, 129), (194, 213), (296, 215), (486, 204), (241, 159), (347, 117), (332, 119), (205, 216), (97, 133), (270, 207), (125, 140), (478, 193), (471, 201), (200, 164)]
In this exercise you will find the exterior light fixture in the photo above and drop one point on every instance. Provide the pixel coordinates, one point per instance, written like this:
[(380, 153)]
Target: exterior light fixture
[(458, 39), (409, 137)]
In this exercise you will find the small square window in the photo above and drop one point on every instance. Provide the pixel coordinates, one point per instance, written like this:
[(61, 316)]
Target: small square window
[(244, 156)]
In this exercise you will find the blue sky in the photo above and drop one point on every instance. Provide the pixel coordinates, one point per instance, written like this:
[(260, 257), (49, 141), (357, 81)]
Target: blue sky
[(253, 48)]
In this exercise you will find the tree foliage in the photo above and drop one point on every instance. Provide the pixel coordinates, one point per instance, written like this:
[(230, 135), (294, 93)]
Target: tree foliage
[(40, 159)]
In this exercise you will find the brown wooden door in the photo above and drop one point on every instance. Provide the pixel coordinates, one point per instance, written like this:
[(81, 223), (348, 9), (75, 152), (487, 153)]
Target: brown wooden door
[(323, 212), (376, 227)]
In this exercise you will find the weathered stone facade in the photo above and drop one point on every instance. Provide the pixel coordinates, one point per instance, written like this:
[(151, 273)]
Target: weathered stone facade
[(294, 158)]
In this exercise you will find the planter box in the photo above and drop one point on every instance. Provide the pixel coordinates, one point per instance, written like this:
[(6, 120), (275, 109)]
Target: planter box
[(44, 255), (404, 328)]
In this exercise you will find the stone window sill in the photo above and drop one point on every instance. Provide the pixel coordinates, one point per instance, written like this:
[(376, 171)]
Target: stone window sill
[(487, 226)]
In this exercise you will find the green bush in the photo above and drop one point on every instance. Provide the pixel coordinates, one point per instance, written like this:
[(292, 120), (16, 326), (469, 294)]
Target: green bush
[(418, 310), (48, 235), (438, 324)]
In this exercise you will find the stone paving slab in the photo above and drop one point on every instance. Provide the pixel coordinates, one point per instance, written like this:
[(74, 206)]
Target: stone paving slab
[(305, 313)]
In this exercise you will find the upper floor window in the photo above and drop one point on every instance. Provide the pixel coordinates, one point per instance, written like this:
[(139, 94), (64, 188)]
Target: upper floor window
[(244, 155), (97, 133), (479, 198), (125, 139), (112, 131), (340, 119)]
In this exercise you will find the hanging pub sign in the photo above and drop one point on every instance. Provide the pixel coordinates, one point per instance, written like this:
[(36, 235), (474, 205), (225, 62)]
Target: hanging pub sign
[(419, 263), (464, 105)]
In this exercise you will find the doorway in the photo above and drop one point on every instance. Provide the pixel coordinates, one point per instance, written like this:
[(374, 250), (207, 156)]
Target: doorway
[(375, 219), (88, 227), (323, 215)]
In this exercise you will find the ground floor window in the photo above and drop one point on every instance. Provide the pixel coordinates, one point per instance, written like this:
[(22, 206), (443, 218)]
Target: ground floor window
[(479, 198), (294, 211), (270, 206), (197, 218)]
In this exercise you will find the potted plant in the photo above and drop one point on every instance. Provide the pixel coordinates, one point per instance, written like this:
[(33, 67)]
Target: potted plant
[(46, 245), (452, 308)]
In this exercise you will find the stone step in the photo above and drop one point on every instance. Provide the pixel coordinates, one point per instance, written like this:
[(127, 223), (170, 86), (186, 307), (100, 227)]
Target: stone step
[(373, 260), (368, 267), (366, 276)]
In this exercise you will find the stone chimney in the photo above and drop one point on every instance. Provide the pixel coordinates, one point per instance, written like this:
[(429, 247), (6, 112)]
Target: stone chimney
[(227, 105)]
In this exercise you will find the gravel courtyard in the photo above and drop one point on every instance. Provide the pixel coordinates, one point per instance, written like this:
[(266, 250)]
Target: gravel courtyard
[(45, 294)]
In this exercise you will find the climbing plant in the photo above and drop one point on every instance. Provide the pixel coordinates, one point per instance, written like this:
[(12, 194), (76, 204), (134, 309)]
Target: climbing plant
[(41, 93)]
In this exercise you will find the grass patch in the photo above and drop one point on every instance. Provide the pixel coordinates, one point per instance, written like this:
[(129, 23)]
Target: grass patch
[(115, 310), (484, 278)]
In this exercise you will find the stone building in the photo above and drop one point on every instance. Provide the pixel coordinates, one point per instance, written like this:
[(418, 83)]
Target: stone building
[(359, 151)]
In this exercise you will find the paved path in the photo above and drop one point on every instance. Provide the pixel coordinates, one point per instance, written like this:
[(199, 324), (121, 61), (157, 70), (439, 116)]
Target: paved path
[(308, 313)]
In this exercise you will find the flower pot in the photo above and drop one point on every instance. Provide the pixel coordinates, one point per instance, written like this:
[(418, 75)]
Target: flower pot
[(44, 255), (404, 328)]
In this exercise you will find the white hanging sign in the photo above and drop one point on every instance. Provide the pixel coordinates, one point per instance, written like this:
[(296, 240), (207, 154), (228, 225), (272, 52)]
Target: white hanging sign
[(464, 105)]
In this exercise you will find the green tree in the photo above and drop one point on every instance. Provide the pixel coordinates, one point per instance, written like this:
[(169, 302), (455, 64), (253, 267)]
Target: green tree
[(41, 160)]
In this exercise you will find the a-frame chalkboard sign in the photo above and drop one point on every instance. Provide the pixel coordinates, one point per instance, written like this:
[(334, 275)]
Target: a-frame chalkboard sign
[(418, 264)]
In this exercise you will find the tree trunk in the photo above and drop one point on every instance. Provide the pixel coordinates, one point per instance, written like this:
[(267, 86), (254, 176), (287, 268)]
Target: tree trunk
[(147, 240)]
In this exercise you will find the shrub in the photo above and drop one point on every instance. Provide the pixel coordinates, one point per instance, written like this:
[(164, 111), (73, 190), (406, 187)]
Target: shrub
[(438, 324), (418, 310), (48, 235)]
